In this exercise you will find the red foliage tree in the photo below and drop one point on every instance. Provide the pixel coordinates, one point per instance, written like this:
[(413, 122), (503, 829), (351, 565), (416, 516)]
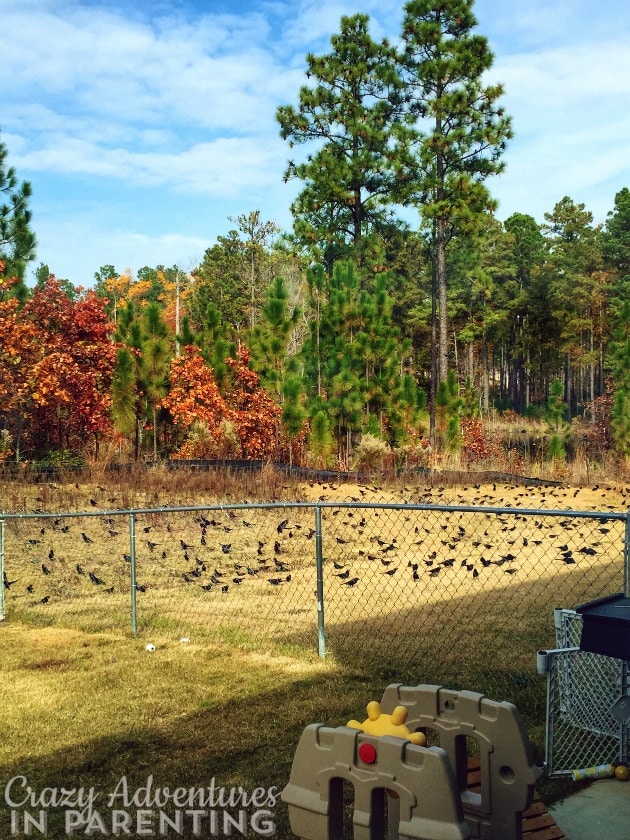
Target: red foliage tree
[(194, 395), (194, 398), (19, 351), (67, 378), (255, 415)]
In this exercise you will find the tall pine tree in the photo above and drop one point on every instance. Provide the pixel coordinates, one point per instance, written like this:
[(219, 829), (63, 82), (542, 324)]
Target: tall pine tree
[(349, 110), (17, 240), (459, 132)]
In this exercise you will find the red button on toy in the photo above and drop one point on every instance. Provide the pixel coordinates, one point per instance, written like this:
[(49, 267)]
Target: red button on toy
[(367, 753)]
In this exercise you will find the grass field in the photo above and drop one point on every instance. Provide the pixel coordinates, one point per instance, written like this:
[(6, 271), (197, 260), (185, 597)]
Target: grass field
[(84, 703)]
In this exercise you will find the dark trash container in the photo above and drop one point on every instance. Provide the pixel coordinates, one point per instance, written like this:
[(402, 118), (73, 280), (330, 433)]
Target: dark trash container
[(606, 626)]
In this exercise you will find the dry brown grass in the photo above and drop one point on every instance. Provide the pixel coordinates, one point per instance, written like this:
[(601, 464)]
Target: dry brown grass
[(84, 700)]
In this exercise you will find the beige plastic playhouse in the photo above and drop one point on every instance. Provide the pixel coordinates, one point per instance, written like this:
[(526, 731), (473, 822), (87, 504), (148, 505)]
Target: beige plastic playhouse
[(406, 790)]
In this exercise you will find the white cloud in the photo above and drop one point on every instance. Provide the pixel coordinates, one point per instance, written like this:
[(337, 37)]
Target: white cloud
[(222, 167)]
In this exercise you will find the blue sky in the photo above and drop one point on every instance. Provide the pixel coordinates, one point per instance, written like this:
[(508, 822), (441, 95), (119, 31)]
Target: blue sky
[(143, 126)]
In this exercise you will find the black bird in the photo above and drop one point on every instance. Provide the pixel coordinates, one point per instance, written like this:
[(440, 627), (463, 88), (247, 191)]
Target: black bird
[(184, 545), (85, 538), (391, 571), (225, 548), (8, 583), (30, 588), (79, 569), (224, 588), (343, 575), (51, 554), (276, 547), (95, 579), (141, 587), (45, 569), (352, 582), (280, 566), (45, 599), (284, 524), (152, 545), (205, 586), (238, 580)]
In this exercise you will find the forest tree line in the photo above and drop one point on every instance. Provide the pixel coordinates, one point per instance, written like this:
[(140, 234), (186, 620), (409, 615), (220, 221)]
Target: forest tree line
[(355, 326)]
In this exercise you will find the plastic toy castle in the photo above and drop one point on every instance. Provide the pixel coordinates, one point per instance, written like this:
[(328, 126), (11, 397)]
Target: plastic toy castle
[(405, 789)]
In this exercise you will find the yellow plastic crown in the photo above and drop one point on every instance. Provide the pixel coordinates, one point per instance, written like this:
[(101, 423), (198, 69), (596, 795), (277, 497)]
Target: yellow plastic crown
[(379, 723)]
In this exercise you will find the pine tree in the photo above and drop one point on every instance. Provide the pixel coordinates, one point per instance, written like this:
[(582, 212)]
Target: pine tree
[(525, 244), (459, 134), (620, 352), (617, 252), (17, 240), (574, 279), (348, 111), (124, 393), (270, 338), (155, 363), (558, 427)]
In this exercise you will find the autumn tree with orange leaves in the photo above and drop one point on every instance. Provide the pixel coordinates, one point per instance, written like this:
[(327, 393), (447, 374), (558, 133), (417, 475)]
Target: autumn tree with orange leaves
[(242, 422), (56, 364)]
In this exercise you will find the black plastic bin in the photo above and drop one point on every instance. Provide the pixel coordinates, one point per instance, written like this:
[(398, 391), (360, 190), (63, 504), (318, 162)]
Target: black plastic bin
[(606, 626)]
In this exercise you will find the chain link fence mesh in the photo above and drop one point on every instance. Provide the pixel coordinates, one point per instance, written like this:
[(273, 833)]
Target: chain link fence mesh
[(461, 596), (584, 690)]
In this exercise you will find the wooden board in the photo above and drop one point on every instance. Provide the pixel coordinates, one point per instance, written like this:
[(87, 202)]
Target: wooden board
[(538, 824)]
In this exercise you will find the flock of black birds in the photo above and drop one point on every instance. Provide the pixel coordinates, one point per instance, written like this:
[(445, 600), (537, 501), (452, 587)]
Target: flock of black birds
[(217, 556)]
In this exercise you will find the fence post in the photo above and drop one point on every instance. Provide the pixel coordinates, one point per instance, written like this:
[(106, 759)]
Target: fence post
[(2, 615), (626, 558), (319, 560), (132, 560)]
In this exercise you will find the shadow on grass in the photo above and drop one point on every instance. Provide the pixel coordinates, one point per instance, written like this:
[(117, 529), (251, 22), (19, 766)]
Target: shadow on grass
[(235, 743), (228, 745)]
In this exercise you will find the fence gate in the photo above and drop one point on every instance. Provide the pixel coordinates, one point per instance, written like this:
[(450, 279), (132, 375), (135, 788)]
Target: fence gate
[(588, 702)]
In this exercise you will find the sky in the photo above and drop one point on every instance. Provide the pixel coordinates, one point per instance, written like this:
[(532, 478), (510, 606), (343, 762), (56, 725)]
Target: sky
[(144, 126)]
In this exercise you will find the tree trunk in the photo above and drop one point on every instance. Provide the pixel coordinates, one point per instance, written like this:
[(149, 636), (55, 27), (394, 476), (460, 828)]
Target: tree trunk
[(442, 366), (486, 378)]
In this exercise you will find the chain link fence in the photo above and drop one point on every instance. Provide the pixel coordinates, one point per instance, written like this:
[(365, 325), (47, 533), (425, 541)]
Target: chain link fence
[(461, 596), (588, 719)]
